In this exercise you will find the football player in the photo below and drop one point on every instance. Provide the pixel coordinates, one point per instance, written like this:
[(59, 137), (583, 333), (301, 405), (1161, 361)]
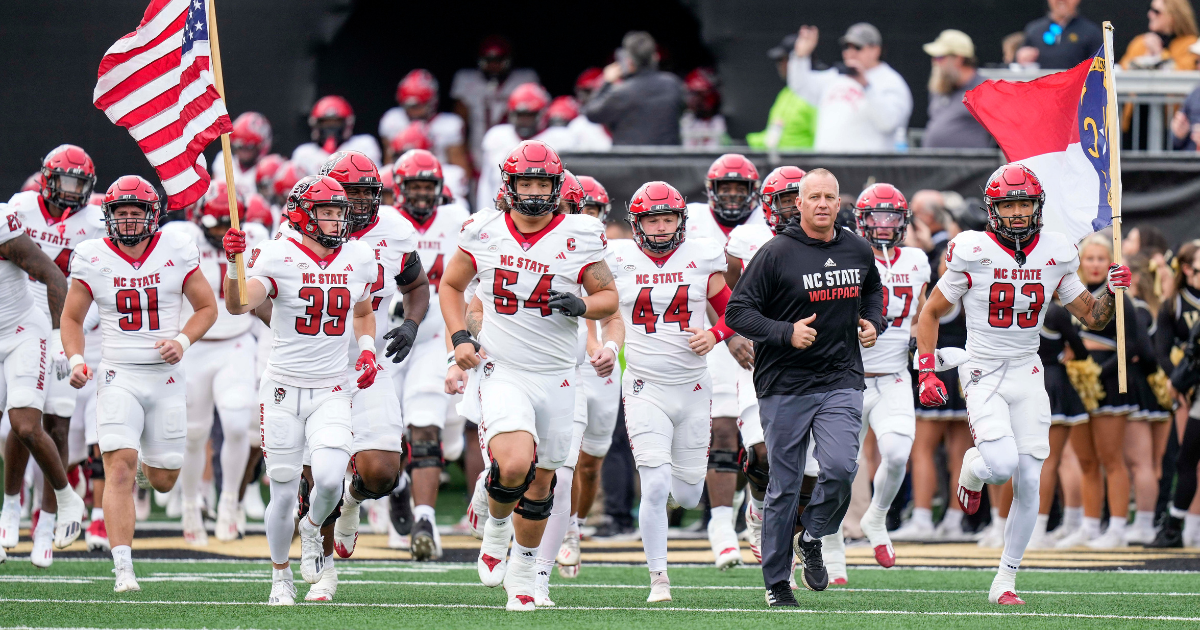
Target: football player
[(665, 281), (250, 141), (1005, 277), (332, 125), (138, 279), (417, 97), (532, 263), (317, 282), (526, 120)]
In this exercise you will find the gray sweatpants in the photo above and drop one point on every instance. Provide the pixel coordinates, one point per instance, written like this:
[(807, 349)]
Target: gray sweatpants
[(835, 419)]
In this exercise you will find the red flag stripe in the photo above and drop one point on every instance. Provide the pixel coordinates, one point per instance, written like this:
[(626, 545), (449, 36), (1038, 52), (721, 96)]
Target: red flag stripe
[(159, 15)]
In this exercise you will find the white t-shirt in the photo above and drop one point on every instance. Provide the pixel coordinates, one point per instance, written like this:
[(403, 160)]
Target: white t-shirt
[(215, 267), (1006, 303), (853, 118), (140, 300), (515, 271), (660, 298), (904, 278)]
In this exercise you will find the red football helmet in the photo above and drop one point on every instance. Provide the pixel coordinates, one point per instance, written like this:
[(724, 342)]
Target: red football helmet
[(68, 176), (131, 190), (418, 165), (562, 110), (1014, 182), (532, 159), (213, 210), (265, 171), (495, 55), (881, 209), (414, 136), (572, 193), (657, 198), (388, 178), (33, 182), (285, 179), (731, 208), (704, 99), (332, 122), (525, 106), (779, 182), (301, 210), (418, 88), (588, 82), (360, 179), (500, 199), (259, 211), (594, 195), (251, 134)]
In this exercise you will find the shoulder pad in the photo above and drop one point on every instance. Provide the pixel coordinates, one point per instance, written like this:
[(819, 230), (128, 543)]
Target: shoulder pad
[(1062, 248), (968, 246)]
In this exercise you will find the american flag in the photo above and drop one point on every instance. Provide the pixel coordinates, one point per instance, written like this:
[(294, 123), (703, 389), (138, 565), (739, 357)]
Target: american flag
[(157, 83)]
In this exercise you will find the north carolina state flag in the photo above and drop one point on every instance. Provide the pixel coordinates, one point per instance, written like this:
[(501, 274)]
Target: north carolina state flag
[(1055, 125)]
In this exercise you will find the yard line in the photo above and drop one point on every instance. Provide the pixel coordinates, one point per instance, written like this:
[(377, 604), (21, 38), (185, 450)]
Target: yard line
[(631, 609)]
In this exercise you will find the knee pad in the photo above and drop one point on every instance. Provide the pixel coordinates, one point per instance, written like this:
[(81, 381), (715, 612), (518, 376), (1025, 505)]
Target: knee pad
[(95, 466), (425, 454), (360, 488), (723, 461), (302, 505), (505, 494), (755, 469), (537, 510)]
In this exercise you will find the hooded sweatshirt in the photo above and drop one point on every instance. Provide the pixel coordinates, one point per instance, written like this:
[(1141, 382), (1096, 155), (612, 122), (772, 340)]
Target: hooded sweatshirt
[(791, 278)]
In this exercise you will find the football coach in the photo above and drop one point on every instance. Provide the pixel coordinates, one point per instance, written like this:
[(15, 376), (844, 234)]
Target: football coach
[(809, 298)]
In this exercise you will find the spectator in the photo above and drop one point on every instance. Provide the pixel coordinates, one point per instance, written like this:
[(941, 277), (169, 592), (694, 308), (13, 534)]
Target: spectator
[(702, 125), (637, 103), (1061, 39), (1185, 125), (950, 125), (589, 136), (929, 225), (417, 96), (1008, 50), (792, 121), (863, 104), (1166, 46), (481, 94)]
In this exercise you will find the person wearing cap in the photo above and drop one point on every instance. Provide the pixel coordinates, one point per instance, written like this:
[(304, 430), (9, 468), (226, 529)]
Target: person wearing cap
[(638, 104), (792, 121), (863, 104), (950, 125), (1061, 39), (481, 94)]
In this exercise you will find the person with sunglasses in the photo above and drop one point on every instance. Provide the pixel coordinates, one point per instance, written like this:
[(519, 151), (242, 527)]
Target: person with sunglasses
[(1061, 39)]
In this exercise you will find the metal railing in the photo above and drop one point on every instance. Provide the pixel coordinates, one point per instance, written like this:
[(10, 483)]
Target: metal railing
[(1154, 94)]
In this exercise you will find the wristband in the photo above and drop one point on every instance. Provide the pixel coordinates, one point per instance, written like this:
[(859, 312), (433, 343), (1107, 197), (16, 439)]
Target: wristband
[(926, 363), (450, 358), (231, 272), (76, 359), (612, 345), (183, 341), (366, 343), (461, 337)]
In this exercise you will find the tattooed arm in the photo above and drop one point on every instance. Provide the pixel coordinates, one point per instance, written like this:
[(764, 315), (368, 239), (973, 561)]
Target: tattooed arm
[(601, 291), (1095, 314), (475, 316), (24, 253)]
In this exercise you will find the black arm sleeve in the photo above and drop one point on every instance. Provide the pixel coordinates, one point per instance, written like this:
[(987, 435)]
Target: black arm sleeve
[(411, 270), (753, 291), (871, 306)]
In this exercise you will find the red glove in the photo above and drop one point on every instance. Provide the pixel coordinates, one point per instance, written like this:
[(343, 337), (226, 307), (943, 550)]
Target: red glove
[(234, 242), (366, 363), (932, 391), (1119, 277)]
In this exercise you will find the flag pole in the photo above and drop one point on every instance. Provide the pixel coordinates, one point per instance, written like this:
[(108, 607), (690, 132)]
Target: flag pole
[(1113, 134), (215, 56)]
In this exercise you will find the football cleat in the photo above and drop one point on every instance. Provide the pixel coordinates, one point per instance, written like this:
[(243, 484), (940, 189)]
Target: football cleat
[(70, 521), (42, 555), (568, 553), (426, 541), (725, 547), (568, 572), (97, 537), (378, 514), (10, 526), (660, 587), (874, 525), (400, 510), (253, 502), (227, 529), (1009, 598), (541, 596), (193, 525), (1004, 590), (814, 576), (969, 486), (493, 553), (325, 588), (345, 530), (754, 531), (519, 583), (283, 593), (140, 478), (312, 555), (126, 581), (3, 555), (833, 554), (478, 509)]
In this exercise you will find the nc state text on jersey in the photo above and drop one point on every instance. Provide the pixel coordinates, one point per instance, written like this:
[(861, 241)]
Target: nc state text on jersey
[(524, 263), (673, 277), (137, 282), (325, 278), (1017, 274)]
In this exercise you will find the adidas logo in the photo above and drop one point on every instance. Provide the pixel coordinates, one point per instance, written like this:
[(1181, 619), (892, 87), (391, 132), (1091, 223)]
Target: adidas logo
[(337, 388), (560, 256), (691, 265), (20, 328), (170, 380), (565, 383), (348, 268), (170, 263), (698, 388), (442, 235), (81, 231), (1051, 262), (608, 382), (382, 243), (830, 263), (915, 268), (1035, 370)]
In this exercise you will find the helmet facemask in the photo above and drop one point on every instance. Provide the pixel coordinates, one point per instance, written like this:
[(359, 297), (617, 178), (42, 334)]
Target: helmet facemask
[(783, 207), (1003, 225), (419, 204), (732, 200), (329, 133), (363, 199), (659, 243), (884, 228), (128, 228), (313, 228), (533, 204), (69, 191)]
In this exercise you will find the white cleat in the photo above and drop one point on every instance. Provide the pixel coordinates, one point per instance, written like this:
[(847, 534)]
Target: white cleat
[(379, 515), (10, 526), (913, 531), (833, 553), (345, 530), (519, 584), (724, 541), (3, 555), (568, 553), (174, 500), (126, 581), (396, 541), (325, 588), (42, 555), (97, 537), (478, 509), (493, 553), (874, 525), (283, 593), (193, 525), (1108, 540), (660, 588), (253, 502), (227, 518), (541, 596), (754, 532), (312, 556), (70, 521)]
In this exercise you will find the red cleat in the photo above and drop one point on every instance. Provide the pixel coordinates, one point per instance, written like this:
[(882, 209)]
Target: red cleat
[(968, 500), (342, 550), (1010, 598), (885, 556), (841, 581)]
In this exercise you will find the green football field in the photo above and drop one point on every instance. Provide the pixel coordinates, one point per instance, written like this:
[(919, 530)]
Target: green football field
[(77, 593)]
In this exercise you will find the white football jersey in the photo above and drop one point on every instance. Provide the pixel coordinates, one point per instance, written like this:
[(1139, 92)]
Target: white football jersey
[(310, 156), (497, 143), (745, 240), (515, 272), (1005, 303), (15, 300), (140, 299), (391, 239), (445, 129), (589, 136), (437, 240), (59, 237), (215, 267), (312, 308), (904, 278), (660, 298), (701, 224), (245, 182)]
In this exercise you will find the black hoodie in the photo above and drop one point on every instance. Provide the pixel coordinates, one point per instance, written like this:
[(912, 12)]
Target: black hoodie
[(794, 276)]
